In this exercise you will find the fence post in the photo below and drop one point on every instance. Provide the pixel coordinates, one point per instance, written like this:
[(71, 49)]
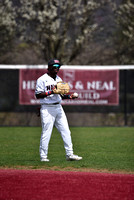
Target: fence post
[(125, 98)]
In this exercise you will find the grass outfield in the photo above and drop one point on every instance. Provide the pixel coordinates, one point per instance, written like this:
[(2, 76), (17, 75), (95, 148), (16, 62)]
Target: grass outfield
[(102, 148)]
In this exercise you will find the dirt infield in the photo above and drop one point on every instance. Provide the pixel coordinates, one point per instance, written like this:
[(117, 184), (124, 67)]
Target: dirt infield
[(63, 185)]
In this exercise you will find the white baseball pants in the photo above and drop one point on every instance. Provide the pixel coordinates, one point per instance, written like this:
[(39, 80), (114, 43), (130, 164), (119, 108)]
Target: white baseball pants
[(54, 115)]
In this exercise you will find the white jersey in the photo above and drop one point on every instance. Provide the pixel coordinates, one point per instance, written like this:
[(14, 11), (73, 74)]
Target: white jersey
[(45, 84)]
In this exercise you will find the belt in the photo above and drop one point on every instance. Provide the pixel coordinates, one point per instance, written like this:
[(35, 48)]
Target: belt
[(54, 103), (50, 103)]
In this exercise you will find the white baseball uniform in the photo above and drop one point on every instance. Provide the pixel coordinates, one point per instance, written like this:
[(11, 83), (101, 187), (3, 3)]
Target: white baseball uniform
[(52, 114)]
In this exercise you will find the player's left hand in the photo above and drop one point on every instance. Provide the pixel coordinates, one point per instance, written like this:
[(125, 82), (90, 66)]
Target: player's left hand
[(61, 88)]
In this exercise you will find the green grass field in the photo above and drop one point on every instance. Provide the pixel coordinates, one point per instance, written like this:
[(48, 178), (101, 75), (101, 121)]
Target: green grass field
[(102, 148)]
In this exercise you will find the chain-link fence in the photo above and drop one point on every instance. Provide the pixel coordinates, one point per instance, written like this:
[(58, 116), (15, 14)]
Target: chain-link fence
[(14, 114)]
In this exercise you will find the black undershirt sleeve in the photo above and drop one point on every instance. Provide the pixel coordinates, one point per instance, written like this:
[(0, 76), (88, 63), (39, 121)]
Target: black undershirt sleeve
[(65, 96)]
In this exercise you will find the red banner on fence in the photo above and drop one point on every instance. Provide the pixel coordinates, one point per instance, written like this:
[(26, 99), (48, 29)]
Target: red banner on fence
[(95, 87)]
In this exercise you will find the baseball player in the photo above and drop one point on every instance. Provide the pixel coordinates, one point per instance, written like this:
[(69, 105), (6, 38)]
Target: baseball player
[(51, 111)]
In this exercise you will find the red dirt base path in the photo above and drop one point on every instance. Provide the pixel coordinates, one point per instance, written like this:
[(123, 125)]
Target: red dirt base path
[(59, 185)]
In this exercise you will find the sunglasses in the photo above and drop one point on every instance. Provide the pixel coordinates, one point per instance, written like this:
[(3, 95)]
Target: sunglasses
[(56, 65)]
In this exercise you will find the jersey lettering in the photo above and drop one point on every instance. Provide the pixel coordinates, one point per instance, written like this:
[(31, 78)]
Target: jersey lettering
[(49, 87)]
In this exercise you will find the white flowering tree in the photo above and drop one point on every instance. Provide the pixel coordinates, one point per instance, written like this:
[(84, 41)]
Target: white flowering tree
[(7, 25), (125, 34), (59, 28), (65, 28)]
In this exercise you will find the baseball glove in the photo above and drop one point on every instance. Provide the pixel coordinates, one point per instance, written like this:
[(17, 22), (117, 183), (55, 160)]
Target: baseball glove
[(61, 88)]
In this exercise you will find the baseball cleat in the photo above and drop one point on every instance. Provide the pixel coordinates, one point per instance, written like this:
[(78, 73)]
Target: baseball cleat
[(44, 160), (73, 157)]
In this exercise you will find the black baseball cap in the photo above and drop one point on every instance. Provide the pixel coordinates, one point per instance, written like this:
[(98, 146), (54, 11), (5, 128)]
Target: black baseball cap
[(54, 62)]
